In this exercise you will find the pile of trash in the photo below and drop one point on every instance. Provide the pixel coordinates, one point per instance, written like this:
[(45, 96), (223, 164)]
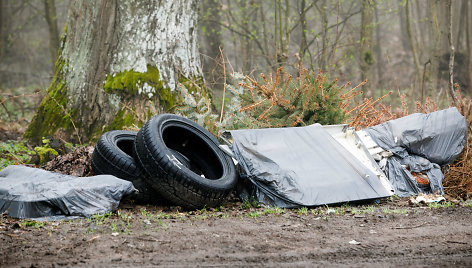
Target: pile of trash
[(174, 160), (420, 144)]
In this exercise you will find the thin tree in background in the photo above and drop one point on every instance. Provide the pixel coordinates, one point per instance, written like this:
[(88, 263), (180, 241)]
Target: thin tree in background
[(413, 46), (2, 28), (367, 57), (210, 32), (451, 51), (51, 19)]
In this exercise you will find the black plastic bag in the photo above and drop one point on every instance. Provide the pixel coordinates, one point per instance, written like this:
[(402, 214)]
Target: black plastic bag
[(35, 193), (302, 166), (421, 143)]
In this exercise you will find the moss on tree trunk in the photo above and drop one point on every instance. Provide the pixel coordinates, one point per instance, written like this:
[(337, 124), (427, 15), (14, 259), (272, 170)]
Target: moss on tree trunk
[(119, 64)]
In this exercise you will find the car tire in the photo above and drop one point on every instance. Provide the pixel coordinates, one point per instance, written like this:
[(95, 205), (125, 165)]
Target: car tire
[(113, 155), (184, 162)]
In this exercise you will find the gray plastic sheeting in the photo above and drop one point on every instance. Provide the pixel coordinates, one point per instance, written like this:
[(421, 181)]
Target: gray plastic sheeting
[(423, 143), (302, 166), (35, 193)]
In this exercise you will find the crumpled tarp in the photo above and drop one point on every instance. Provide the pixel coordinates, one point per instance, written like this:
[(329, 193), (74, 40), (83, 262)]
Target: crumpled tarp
[(35, 193), (420, 143), (300, 166)]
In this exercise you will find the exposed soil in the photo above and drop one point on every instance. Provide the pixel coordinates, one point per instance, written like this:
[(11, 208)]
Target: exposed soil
[(389, 234), (392, 233)]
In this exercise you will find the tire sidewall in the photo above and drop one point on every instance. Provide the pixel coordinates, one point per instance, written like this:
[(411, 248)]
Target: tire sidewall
[(115, 136), (157, 126)]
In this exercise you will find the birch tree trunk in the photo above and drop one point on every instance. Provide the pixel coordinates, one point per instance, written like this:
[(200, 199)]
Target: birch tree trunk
[(119, 62)]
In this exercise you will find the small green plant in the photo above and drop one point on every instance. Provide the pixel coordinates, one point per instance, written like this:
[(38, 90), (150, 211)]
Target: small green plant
[(145, 213), (468, 204), (163, 215), (254, 214), (14, 153), (201, 211), (274, 210), (114, 228), (45, 152), (247, 204), (180, 216), (317, 211), (302, 211), (440, 205), (339, 211), (33, 223), (99, 219), (219, 209)]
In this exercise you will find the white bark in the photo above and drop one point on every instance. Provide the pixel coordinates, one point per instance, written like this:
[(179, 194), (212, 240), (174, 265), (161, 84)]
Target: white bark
[(160, 33), (107, 37)]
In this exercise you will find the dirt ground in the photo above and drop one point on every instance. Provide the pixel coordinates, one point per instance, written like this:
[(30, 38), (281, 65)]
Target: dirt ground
[(369, 235)]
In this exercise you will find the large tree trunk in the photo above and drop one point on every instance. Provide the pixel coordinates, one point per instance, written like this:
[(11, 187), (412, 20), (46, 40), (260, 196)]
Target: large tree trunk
[(119, 62)]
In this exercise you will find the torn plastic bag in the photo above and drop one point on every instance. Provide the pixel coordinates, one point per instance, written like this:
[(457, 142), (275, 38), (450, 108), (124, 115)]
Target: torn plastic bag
[(301, 166), (439, 136), (405, 183), (35, 193), (420, 143)]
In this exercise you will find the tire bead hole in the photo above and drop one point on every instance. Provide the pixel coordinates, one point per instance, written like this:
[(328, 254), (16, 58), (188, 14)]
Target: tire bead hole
[(202, 160), (126, 146)]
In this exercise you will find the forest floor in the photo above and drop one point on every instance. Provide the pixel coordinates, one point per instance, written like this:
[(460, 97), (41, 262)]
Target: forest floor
[(392, 233)]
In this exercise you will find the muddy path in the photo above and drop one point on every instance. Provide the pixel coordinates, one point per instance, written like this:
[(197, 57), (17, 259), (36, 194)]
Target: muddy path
[(361, 236)]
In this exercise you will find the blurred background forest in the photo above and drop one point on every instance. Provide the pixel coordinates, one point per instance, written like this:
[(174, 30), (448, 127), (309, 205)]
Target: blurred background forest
[(397, 45)]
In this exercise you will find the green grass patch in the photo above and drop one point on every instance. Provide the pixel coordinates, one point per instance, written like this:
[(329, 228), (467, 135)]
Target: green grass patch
[(33, 223), (274, 210), (247, 204), (254, 214), (440, 205), (302, 211)]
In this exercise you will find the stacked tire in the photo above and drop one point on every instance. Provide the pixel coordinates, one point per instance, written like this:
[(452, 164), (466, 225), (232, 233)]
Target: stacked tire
[(170, 157)]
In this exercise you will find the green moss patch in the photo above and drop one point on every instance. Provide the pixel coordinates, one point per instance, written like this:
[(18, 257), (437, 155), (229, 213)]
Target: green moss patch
[(51, 113), (127, 84)]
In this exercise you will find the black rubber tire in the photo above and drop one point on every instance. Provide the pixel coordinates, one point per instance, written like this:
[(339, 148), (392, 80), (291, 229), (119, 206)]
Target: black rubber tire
[(184, 163), (113, 155)]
